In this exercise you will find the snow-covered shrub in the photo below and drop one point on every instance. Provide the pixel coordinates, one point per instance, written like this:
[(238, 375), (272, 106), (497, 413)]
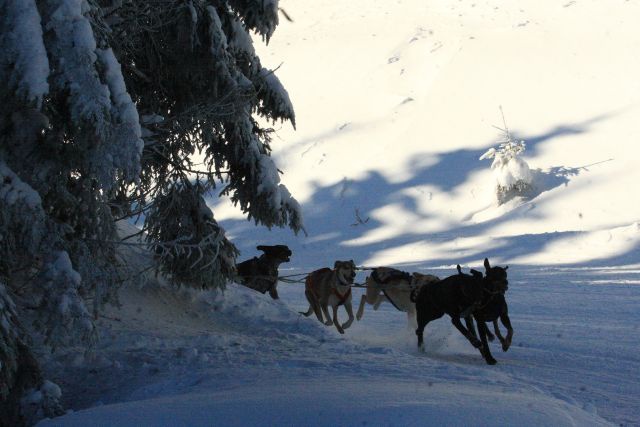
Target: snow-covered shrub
[(42, 402), (511, 173)]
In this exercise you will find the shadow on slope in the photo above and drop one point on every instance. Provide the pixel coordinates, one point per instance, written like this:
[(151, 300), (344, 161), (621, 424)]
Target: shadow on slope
[(342, 212)]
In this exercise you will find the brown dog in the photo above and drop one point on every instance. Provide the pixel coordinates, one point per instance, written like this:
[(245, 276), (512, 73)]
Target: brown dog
[(327, 287)]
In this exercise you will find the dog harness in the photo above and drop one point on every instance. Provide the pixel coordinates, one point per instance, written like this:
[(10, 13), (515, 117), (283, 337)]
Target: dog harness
[(343, 298), (390, 300)]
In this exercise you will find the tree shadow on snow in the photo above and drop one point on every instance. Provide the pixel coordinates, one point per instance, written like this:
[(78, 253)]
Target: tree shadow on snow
[(340, 223)]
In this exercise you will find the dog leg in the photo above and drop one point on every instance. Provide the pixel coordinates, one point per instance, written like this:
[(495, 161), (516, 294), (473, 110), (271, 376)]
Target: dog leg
[(314, 304), (490, 336), (381, 298), (361, 307), (335, 319), (472, 329), (473, 340), (308, 312), (349, 308), (496, 329), (412, 322), (422, 323), (484, 350), (273, 292), (328, 321), (504, 318), (468, 321)]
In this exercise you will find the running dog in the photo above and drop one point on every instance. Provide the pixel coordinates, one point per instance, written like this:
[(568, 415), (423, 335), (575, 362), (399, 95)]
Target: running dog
[(327, 287), (394, 286), (261, 273), (492, 307), (458, 296)]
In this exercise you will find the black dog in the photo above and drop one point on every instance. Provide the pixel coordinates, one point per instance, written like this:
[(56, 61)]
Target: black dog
[(458, 296), (261, 273), (492, 307)]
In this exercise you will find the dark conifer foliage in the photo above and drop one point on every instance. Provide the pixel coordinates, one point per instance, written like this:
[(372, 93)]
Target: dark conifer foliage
[(115, 108)]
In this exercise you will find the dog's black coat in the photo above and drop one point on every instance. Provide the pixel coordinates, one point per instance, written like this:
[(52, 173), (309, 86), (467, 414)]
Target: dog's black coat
[(458, 296), (261, 273), (492, 307)]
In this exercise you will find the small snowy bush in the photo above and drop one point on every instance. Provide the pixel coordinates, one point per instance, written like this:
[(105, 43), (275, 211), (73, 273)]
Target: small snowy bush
[(41, 403), (512, 174)]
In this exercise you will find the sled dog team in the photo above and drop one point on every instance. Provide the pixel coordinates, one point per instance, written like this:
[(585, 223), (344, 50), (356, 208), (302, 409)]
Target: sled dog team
[(423, 297)]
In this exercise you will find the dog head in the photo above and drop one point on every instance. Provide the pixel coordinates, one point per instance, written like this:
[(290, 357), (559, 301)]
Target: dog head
[(496, 277), (279, 253), (346, 271)]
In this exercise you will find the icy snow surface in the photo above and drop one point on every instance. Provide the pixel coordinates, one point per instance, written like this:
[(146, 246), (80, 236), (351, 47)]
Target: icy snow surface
[(395, 102)]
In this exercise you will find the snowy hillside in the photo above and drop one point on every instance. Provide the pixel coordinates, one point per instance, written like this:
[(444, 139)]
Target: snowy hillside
[(395, 103)]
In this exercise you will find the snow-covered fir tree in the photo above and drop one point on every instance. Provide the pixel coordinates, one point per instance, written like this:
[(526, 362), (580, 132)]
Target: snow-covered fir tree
[(103, 105), (511, 173)]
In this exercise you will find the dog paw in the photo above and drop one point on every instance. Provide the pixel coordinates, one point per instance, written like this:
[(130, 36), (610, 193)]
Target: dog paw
[(505, 346), (491, 361)]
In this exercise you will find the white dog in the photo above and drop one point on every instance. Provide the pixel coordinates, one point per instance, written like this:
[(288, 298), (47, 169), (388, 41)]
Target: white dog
[(394, 286)]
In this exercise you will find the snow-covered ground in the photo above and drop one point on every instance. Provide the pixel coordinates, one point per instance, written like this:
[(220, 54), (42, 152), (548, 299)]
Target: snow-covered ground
[(395, 103)]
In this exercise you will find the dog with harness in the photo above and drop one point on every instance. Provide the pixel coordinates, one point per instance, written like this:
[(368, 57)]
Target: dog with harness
[(261, 273), (458, 296), (492, 307), (394, 286), (331, 287)]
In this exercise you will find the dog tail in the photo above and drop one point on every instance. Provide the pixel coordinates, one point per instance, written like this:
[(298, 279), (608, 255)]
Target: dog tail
[(459, 269)]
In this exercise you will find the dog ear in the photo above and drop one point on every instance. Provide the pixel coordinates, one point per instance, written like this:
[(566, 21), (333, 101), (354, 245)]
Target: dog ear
[(262, 248), (507, 267), (336, 264), (486, 264)]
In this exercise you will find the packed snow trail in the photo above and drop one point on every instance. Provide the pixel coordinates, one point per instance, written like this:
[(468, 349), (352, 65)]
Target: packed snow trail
[(198, 359)]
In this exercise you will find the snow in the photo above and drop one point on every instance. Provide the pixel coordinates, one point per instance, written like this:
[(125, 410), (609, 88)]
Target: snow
[(13, 190), (25, 44), (395, 103), (128, 123), (74, 49)]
